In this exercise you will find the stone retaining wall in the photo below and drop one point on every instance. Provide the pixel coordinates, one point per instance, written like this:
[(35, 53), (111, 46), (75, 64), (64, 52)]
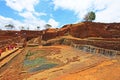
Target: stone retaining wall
[(92, 49)]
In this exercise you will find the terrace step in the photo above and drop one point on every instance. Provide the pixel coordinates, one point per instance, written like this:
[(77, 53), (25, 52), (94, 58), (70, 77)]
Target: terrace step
[(9, 55)]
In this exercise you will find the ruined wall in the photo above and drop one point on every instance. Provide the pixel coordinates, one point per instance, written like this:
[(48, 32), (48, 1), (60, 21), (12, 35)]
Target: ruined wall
[(29, 34), (91, 48), (114, 45), (86, 46), (96, 50)]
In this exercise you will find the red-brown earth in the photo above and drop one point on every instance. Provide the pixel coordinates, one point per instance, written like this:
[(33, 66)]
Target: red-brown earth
[(55, 51)]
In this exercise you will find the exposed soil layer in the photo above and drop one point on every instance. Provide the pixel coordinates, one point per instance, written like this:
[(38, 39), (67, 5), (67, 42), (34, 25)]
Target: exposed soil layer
[(68, 53), (72, 64), (79, 30), (99, 34)]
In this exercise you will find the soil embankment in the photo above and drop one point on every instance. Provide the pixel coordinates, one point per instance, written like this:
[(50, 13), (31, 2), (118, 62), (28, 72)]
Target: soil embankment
[(83, 51)]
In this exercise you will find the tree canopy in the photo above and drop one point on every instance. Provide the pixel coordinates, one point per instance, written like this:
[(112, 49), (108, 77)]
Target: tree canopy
[(48, 26), (90, 16), (9, 26), (38, 27)]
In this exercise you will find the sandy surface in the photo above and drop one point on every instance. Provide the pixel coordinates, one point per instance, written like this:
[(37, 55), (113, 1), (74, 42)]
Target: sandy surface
[(74, 65), (108, 70)]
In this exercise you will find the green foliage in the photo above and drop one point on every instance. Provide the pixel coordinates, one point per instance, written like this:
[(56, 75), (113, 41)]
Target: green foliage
[(90, 16), (9, 26), (22, 27), (48, 26), (38, 27), (27, 28)]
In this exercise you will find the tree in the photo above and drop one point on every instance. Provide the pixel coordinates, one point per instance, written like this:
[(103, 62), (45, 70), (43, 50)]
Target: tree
[(9, 26), (22, 27), (48, 26), (38, 27), (90, 16), (27, 28)]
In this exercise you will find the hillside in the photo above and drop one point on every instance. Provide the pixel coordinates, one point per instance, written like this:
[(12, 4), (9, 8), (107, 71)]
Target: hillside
[(79, 30), (82, 51), (90, 33)]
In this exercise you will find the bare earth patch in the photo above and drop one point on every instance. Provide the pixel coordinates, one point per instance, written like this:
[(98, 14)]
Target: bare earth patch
[(73, 64)]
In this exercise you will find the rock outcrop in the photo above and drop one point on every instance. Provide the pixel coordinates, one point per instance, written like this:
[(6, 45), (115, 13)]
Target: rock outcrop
[(90, 29)]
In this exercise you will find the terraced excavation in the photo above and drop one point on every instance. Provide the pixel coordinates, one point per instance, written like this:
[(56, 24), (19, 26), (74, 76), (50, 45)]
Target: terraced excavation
[(82, 51)]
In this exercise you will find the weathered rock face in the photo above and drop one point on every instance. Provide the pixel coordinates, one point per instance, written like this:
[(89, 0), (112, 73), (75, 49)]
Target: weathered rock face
[(64, 30), (49, 34), (85, 30), (79, 30), (90, 29)]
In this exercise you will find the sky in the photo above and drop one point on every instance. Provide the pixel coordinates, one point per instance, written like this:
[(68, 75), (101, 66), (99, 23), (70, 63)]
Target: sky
[(33, 13)]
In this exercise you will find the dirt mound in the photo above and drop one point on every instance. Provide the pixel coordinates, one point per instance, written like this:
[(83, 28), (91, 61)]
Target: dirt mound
[(90, 29), (85, 30)]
